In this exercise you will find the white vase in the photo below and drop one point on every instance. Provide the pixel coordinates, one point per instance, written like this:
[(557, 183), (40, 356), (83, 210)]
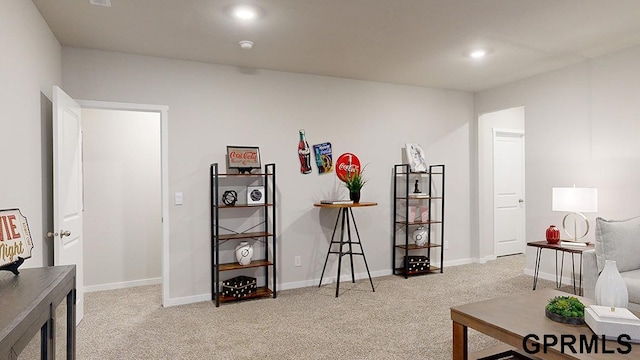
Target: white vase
[(610, 287), (244, 252), (420, 236)]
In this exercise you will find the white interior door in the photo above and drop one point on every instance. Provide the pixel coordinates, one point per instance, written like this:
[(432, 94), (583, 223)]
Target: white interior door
[(67, 188), (508, 194)]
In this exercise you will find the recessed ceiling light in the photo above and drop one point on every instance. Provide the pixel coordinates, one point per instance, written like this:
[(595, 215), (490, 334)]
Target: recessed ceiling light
[(246, 44), (245, 13), (106, 3), (477, 54)]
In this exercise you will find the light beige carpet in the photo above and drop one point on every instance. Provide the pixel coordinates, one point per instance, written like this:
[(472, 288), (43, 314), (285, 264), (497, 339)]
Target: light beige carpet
[(402, 319)]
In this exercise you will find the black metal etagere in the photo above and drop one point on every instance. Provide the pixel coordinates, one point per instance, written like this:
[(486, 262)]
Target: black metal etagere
[(434, 183), (266, 236)]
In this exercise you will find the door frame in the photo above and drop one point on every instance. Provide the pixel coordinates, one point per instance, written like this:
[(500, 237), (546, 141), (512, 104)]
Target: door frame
[(507, 118), (497, 132), (163, 110)]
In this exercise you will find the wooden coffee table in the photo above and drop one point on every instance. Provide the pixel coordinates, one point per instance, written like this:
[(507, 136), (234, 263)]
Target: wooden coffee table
[(511, 318)]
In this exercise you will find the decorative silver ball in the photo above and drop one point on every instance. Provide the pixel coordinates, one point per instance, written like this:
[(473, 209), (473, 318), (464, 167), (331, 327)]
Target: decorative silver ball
[(229, 197)]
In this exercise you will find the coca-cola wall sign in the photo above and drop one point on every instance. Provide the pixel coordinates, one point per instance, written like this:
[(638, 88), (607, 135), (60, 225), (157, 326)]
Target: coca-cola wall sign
[(15, 237), (243, 158), (347, 163), (304, 153)]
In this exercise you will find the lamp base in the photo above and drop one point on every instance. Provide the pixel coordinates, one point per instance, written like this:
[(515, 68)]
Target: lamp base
[(574, 236)]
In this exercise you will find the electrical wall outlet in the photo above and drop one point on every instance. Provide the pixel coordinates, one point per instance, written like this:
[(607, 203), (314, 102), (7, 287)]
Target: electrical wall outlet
[(446, 245), (297, 261)]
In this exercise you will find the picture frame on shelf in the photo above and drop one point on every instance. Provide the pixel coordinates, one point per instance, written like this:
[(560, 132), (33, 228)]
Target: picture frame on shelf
[(243, 158), (255, 195), (413, 211), (424, 214), (415, 158), (418, 214)]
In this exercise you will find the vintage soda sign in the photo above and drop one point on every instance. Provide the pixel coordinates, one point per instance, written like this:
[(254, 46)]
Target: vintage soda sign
[(243, 158), (304, 153), (347, 163), (324, 159), (15, 237)]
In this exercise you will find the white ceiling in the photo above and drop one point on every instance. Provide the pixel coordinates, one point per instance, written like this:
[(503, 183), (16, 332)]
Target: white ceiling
[(415, 42)]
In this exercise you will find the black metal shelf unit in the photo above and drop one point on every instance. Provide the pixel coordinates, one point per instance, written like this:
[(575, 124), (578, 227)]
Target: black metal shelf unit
[(433, 182), (266, 235)]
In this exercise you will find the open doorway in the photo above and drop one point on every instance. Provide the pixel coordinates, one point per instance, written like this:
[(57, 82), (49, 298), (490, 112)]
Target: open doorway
[(163, 111), (122, 198), (56, 202), (501, 200)]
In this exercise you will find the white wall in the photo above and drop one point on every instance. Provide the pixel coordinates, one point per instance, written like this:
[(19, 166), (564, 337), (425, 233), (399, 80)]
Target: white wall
[(29, 66), (122, 199), (582, 128), (213, 106)]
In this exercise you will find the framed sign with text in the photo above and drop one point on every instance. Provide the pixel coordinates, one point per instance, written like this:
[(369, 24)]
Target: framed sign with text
[(243, 158), (15, 240)]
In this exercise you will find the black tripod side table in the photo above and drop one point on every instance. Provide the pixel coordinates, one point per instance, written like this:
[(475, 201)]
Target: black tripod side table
[(345, 216)]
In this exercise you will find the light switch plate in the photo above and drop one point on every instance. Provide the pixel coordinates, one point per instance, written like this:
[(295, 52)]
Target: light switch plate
[(178, 199)]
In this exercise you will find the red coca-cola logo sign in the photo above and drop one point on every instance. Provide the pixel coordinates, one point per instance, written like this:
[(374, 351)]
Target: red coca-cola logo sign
[(248, 157), (347, 163), (243, 156)]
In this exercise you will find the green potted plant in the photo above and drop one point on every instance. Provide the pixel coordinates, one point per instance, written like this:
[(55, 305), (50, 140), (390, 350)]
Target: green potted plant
[(565, 309), (354, 182)]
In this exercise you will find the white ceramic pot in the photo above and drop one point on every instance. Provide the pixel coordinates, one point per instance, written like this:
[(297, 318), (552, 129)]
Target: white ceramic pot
[(244, 252), (420, 236), (610, 287)]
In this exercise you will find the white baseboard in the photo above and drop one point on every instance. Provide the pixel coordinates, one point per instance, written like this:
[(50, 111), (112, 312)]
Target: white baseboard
[(286, 286), (552, 277), (484, 260), (374, 274), (122, 285), (331, 280), (299, 284), (187, 300), (326, 280), (458, 262)]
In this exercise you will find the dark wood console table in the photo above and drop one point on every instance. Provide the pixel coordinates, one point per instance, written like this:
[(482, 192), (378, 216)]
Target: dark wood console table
[(28, 304), (573, 250)]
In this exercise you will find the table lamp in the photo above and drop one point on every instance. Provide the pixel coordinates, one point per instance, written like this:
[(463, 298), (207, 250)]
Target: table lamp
[(576, 201)]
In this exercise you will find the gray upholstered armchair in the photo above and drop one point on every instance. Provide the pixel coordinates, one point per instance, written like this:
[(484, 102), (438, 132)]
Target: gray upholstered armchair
[(619, 241)]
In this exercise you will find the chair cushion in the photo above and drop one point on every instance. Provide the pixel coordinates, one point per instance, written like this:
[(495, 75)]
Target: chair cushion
[(618, 240), (632, 280)]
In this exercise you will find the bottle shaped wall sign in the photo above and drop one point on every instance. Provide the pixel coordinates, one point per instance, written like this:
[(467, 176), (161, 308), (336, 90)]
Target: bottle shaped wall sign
[(304, 153)]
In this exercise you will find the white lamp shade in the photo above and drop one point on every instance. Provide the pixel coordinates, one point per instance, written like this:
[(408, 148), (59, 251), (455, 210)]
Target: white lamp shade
[(575, 199)]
